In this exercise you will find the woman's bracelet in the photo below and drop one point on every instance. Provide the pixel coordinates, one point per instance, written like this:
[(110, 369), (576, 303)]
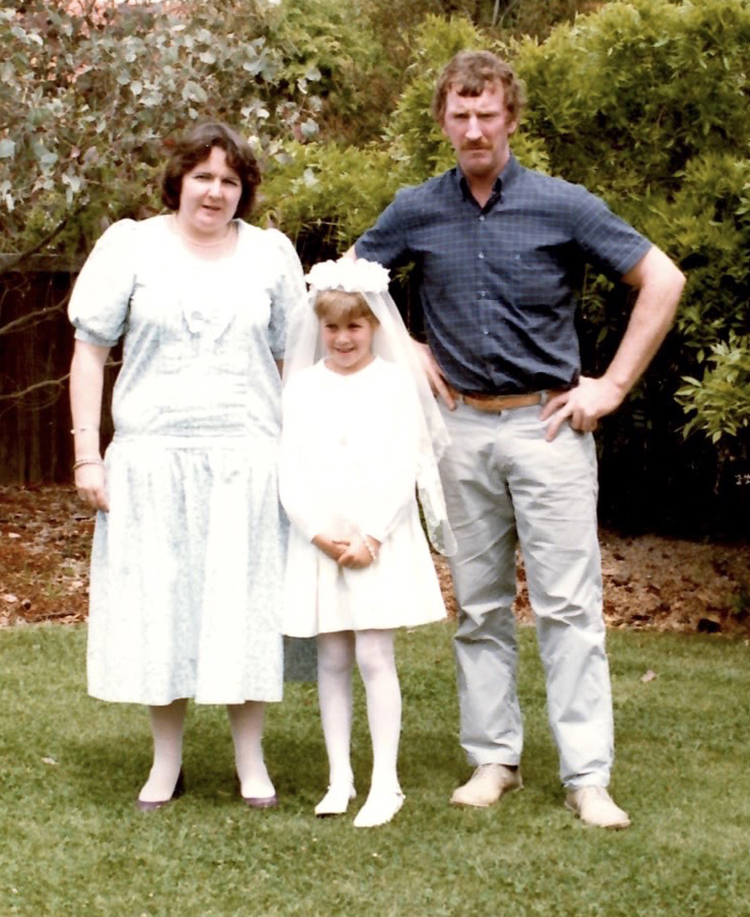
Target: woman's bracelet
[(87, 461), (84, 429)]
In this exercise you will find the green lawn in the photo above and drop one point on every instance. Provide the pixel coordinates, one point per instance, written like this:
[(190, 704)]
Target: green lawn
[(74, 844)]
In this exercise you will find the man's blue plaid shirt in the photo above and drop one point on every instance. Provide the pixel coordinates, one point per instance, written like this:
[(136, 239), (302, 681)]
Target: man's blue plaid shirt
[(498, 284)]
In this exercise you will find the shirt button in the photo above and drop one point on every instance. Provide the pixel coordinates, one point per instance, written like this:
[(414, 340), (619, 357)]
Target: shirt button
[(481, 254), (485, 331), (481, 218)]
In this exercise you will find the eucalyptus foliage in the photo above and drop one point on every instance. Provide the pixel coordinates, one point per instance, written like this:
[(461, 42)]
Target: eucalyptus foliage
[(88, 104)]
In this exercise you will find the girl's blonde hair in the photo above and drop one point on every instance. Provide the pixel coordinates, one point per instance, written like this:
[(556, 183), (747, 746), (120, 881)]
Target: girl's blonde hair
[(342, 306)]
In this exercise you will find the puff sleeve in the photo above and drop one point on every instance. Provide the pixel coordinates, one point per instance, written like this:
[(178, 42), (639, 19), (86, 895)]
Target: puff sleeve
[(99, 303)]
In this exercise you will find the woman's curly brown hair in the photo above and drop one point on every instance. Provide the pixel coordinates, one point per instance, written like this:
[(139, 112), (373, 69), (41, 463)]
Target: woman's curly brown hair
[(195, 147)]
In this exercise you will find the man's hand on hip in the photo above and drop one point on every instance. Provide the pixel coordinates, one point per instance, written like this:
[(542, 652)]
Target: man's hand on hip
[(582, 406)]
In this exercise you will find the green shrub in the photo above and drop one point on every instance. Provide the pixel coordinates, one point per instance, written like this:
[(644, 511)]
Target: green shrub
[(628, 95), (720, 401), (324, 195)]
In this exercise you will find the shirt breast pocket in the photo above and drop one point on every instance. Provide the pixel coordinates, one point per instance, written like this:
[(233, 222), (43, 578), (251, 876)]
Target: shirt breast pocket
[(535, 280)]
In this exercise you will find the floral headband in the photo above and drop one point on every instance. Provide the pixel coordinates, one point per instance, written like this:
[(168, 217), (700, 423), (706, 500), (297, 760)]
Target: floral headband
[(349, 276)]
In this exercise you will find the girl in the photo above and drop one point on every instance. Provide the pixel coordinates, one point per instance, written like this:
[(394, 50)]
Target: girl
[(360, 430)]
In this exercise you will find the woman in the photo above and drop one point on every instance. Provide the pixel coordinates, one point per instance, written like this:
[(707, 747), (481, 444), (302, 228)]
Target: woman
[(187, 560)]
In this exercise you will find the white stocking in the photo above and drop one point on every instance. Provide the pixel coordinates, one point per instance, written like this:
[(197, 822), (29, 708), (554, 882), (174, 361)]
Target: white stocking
[(335, 664), (377, 665), (167, 725), (246, 723)]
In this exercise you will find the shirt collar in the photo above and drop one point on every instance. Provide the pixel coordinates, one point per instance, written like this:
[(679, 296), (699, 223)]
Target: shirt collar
[(504, 179)]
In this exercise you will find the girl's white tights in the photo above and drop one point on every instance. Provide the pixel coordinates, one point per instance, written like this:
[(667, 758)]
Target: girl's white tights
[(373, 651), (167, 726), (335, 663)]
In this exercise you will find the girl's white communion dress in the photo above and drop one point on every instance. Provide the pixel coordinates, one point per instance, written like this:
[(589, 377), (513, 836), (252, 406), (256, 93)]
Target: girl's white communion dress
[(348, 464)]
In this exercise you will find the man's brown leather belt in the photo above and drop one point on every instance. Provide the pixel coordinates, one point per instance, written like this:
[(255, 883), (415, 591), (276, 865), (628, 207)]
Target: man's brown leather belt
[(494, 404)]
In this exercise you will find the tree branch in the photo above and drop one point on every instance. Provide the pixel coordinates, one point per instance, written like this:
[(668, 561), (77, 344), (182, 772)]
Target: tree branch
[(13, 262), (50, 383), (33, 318), (23, 393)]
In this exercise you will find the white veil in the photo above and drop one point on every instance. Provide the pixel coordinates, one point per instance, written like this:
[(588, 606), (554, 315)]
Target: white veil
[(391, 342)]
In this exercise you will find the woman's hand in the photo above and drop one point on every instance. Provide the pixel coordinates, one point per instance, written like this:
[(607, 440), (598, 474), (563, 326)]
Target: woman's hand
[(91, 484)]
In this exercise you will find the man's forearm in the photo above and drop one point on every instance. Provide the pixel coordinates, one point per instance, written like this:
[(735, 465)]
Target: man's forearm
[(660, 283)]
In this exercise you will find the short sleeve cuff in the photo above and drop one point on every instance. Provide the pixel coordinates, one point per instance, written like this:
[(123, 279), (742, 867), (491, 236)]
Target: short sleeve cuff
[(82, 334)]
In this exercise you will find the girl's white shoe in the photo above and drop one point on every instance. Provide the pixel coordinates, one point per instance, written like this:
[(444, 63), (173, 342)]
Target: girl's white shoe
[(379, 809), (336, 800)]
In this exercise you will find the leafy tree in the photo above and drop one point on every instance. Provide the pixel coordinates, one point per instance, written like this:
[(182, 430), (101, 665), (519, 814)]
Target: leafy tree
[(88, 98), (88, 103), (535, 17), (627, 96)]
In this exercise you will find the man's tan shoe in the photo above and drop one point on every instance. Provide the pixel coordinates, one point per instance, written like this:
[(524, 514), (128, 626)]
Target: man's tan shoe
[(486, 785), (594, 806)]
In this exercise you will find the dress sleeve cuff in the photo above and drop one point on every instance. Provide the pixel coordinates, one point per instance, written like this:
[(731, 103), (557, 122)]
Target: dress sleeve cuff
[(82, 334)]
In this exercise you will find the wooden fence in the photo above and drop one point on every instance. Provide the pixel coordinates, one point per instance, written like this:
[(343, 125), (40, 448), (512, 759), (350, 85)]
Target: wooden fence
[(36, 344)]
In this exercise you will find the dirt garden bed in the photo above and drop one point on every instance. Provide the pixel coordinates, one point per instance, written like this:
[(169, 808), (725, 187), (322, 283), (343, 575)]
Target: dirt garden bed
[(649, 581)]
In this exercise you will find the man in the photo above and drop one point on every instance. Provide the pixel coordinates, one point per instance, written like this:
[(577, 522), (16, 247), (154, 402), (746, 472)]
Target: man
[(499, 251)]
